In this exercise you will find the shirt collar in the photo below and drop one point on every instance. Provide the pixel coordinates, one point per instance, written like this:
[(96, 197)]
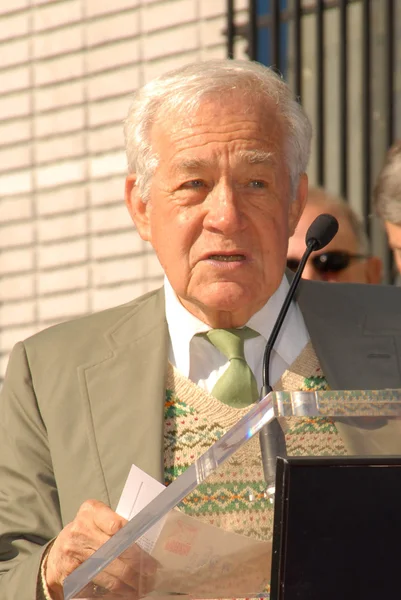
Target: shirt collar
[(293, 335), (183, 325)]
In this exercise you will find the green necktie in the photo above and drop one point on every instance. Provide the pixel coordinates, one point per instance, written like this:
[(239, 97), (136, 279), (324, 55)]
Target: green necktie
[(237, 386)]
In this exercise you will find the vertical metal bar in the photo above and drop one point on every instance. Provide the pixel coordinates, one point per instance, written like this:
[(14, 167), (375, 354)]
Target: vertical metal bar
[(320, 112), (389, 42), (366, 112), (297, 49), (230, 29), (390, 69), (343, 124), (275, 33), (252, 30)]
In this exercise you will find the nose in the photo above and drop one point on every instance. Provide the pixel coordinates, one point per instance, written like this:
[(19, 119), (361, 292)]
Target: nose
[(224, 212)]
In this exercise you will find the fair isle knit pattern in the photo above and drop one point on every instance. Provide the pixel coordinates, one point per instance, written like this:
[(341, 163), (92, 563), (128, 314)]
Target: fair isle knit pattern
[(232, 498)]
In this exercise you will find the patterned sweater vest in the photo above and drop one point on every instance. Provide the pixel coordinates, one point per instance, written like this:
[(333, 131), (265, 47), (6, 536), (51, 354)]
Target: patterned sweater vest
[(232, 497)]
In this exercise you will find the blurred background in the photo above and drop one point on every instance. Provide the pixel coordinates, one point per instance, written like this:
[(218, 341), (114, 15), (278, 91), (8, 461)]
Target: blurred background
[(67, 72)]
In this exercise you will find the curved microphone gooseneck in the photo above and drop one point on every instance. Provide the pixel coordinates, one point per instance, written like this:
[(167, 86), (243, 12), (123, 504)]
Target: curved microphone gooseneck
[(272, 439)]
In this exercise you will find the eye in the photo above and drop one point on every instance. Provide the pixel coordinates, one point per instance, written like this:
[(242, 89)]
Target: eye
[(193, 184), (257, 184)]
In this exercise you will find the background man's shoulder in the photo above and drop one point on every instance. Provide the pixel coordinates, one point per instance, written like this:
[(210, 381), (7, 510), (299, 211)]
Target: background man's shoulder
[(353, 302), (363, 292)]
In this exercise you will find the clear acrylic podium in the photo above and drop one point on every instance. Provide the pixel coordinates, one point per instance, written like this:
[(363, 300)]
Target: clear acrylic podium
[(163, 551)]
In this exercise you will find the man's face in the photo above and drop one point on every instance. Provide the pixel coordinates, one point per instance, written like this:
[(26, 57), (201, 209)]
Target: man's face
[(394, 241), (219, 213), (366, 270)]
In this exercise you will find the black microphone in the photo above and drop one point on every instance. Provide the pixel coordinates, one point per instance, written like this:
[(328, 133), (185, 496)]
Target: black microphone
[(272, 438)]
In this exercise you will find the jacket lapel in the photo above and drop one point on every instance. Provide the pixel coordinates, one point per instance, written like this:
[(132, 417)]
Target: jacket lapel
[(126, 391)]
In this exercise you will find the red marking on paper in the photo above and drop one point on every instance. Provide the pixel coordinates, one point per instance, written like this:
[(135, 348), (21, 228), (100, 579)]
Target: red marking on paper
[(176, 547), (181, 539)]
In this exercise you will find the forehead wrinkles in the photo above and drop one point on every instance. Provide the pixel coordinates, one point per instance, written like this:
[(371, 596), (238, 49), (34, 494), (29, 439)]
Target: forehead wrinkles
[(245, 157), (214, 122), (194, 135)]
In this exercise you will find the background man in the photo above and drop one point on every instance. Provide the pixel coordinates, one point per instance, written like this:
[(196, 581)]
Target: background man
[(346, 258), (387, 200), (217, 154)]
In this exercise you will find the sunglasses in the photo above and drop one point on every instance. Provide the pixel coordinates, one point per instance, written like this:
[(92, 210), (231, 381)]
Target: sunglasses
[(328, 262)]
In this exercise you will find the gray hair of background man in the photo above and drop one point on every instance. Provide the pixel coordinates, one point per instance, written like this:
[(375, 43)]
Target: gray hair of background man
[(320, 195), (182, 90), (387, 190)]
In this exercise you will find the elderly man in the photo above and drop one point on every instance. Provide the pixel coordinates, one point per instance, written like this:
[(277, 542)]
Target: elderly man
[(346, 258), (387, 200), (217, 154)]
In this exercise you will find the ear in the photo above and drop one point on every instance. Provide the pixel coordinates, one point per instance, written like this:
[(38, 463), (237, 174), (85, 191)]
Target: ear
[(137, 208), (298, 203), (374, 268)]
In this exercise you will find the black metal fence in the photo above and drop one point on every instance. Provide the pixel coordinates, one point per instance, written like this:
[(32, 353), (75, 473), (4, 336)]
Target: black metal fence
[(339, 56)]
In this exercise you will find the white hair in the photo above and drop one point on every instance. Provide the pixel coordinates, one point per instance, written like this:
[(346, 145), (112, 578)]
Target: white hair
[(387, 190), (182, 91)]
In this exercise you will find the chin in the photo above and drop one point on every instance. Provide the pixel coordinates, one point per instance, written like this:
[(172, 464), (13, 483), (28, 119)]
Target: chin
[(228, 297)]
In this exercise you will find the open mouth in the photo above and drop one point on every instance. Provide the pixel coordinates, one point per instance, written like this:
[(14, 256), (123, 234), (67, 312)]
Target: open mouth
[(227, 257)]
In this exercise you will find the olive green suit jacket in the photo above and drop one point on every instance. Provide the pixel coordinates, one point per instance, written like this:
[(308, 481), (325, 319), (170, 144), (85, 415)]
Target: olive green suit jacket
[(84, 400)]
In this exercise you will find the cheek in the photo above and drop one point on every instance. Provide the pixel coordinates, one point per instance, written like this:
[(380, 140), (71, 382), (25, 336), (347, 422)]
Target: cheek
[(356, 273), (273, 218), (172, 239), (270, 238), (277, 232)]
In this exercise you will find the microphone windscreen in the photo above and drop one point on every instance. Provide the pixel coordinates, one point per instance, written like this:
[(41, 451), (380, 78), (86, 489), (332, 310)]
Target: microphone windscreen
[(321, 231)]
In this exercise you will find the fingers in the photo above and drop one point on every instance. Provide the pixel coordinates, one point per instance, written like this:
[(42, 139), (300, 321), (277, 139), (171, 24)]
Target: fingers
[(93, 526), (127, 576), (134, 555), (121, 579), (132, 573), (103, 517)]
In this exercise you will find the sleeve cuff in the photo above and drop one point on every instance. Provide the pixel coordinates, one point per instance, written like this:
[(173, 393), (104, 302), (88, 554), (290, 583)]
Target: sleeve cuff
[(42, 590)]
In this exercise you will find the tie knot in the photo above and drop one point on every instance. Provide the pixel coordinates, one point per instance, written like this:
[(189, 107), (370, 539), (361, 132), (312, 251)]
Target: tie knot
[(230, 342)]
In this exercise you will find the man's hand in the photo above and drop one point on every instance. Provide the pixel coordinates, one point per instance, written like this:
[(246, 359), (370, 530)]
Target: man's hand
[(93, 525)]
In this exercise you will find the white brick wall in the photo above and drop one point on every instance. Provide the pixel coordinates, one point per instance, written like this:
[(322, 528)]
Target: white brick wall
[(67, 70)]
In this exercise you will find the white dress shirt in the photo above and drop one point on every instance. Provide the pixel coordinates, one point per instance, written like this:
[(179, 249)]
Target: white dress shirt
[(197, 359)]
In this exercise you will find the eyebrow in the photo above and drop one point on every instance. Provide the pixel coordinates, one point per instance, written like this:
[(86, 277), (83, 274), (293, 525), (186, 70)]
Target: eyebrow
[(257, 157), (252, 157), (193, 164)]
